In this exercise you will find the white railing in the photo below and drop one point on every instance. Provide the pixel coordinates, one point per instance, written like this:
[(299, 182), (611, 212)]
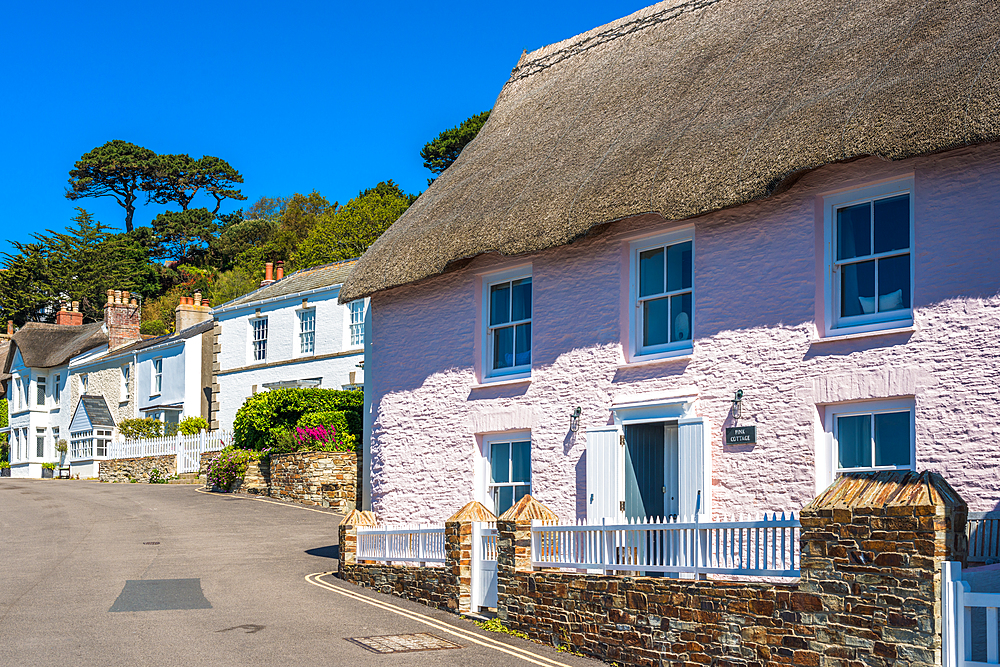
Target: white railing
[(405, 544), (970, 630), (187, 448), (983, 529), (768, 547)]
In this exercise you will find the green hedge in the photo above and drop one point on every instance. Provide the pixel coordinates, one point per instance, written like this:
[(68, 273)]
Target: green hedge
[(282, 409)]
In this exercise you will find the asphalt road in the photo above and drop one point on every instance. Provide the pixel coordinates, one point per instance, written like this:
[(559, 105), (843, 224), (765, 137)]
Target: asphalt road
[(139, 574)]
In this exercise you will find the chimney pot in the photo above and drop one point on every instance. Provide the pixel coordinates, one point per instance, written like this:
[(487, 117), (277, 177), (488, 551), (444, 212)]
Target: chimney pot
[(125, 296), (197, 298), (111, 296), (76, 306), (133, 302), (10, 327), (281, 270), (268, 271), (62, 307)]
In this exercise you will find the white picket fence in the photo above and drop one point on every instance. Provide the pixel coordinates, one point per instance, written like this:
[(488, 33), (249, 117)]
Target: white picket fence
[(424, 545), (187, 448), (983, 530), (971, 623), (768, 547)]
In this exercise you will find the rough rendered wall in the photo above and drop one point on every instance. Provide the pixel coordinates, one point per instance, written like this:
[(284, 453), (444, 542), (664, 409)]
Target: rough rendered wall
[(755, 274)]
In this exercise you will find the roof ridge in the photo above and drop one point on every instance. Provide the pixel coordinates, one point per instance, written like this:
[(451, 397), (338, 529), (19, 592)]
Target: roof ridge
[(604, 34)]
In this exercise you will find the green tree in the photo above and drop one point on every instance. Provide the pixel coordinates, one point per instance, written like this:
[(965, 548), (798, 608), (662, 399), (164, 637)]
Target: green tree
[(187, 235), (447, 146), (349, 231), (25, 292), (219, 179), (117, 169), (178, 178)]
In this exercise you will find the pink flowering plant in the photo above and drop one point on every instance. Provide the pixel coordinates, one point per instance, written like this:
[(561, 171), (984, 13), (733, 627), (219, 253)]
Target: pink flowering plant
[(322, 439)]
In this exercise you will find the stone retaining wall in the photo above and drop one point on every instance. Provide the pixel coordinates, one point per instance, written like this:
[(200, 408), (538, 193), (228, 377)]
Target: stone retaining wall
[(125, 470), (869, 595), (315, 478)]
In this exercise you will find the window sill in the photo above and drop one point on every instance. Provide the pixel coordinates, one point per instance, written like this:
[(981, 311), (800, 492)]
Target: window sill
[(503, 382), (664, 358), (859, 335)]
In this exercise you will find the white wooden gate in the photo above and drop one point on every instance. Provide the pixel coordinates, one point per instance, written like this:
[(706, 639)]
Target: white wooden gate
[(484, 565), (969, 639)]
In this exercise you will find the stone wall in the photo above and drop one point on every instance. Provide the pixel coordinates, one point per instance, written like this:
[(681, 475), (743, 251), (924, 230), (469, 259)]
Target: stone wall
[(871, 552), (869, 592), (125, 470), (329, 479)]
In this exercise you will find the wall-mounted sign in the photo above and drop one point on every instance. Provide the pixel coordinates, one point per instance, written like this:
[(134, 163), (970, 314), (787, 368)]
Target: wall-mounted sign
[(741, 435)]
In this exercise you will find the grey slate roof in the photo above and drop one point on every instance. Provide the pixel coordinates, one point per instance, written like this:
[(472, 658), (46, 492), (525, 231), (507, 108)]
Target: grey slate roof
[(304, 280), (684, 108), (97, 410), (47, 345), (190, 332)]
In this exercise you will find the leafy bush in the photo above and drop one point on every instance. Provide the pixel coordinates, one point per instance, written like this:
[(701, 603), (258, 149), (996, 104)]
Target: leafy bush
[(192, 425), (229, 466), (49, 466), (4, 464), (152, 328), (323, 439), (156, 477), (62, 446), (264, 416), (140, 428), (336, 419)]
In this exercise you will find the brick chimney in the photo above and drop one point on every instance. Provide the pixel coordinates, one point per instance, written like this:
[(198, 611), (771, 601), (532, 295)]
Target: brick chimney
[(281, 270), (190, 312), (122, 317), (268, 274), (72, 317)]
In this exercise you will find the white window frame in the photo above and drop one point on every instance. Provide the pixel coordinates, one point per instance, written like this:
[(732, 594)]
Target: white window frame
[(485, 487), (828, 458), (356, 324), (833, 326), (102, 441), (636, 350), (40, 442), (81, 444), (40, 397), (156, 377), (302, 336), (57, 389), (84, 382), (486, 331), (126, 371), (252, 350)]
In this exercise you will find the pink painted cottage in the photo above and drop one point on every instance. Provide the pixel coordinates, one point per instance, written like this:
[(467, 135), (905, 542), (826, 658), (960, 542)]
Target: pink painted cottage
[(705, 258)]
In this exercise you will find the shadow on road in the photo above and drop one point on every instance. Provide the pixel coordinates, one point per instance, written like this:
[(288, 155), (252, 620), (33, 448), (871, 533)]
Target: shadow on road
[(332, 551)]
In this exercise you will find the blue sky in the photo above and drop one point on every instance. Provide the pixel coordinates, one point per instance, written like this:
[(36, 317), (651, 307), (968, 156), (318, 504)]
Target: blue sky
[(298, 96)]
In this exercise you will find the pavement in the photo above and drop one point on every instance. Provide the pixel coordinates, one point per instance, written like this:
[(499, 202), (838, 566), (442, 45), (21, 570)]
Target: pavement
[(141, 574)]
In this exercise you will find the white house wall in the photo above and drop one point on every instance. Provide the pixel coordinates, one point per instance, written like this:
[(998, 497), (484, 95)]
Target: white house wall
[(333, 360), (172, 390)]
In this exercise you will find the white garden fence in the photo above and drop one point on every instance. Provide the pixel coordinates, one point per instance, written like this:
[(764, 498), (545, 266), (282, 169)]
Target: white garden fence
[(424, 545), (484, 565), (971, 623), (983, 530), (187, 448), (767, 547)]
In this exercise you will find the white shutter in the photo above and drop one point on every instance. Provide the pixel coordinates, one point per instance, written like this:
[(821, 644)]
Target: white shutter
[(694, 468), (824, 461), (605, 474)]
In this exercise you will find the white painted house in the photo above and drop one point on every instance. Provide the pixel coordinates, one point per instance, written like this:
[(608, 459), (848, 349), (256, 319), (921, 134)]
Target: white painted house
[(290, 332)]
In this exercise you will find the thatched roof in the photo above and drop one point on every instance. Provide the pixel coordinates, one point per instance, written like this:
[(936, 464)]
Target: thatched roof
[(47, 345), (686, 109)]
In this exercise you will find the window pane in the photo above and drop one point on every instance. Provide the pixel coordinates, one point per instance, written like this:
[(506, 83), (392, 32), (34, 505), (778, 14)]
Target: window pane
[(854, 230), (892, 223), (503, 347), (522, 345), (520, 455), (651, 272), (520, 492), (499, 304), (679, 266), (892, 439), (894, 283), (520, 297), (854, 441), (504, 499), (857, 289), (680, 311), (500, 462), (654, 322)]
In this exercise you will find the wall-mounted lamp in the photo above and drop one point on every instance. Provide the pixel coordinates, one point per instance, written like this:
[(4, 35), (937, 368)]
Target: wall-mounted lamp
[(738, 405), (574, 419)]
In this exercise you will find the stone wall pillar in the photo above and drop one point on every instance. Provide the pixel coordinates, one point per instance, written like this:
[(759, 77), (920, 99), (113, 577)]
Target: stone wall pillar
[(514, 545), (458, 534), (347, 537)]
